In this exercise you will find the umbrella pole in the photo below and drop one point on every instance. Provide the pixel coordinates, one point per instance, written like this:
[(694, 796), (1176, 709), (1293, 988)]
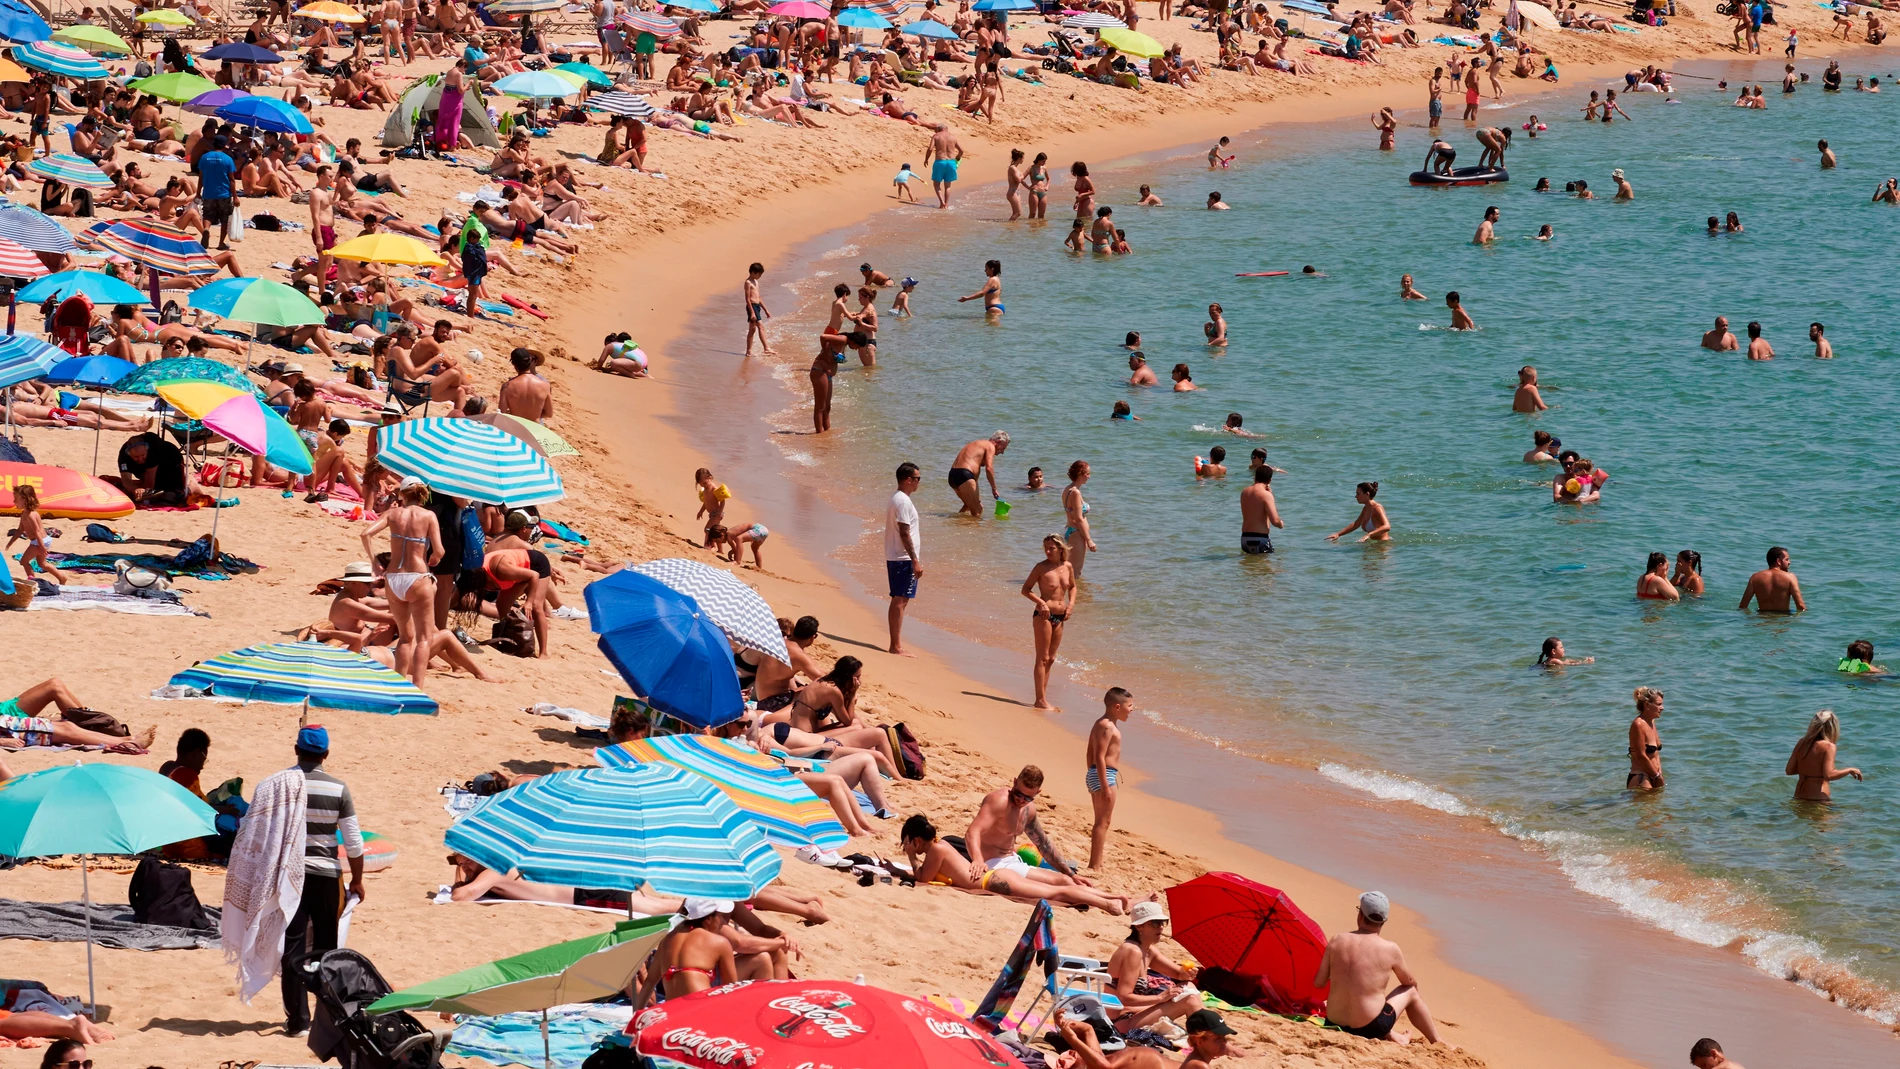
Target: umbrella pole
[(85, 896), (303, 718), (97, 430), (159, 308), (13, 304), (547, 1058)]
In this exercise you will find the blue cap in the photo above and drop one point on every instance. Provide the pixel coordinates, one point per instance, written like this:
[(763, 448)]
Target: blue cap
[(313, 739)]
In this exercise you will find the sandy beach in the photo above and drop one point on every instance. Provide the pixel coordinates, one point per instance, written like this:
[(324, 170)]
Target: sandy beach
[(664, 250)]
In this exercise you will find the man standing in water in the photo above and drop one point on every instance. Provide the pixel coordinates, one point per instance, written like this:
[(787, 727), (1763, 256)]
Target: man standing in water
[(976, 458), (1356, 964), (1823, 349), (1827, 156), (1436, 98), (1758, 347), (947, 154), (1460, 319), (1487, 232), (1140, 374), (1720, 339), (1258, 514), (902, 539), (1775, 586)]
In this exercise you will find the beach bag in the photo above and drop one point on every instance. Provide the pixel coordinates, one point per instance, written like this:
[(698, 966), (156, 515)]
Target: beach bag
[(514, 634), (1231, 988), (138, 582), (225, 473), (474, 539), (906, 749), (161, 893)]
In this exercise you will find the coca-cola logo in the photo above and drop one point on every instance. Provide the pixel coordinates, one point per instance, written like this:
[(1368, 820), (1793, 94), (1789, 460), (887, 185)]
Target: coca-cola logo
[(822, 1011), (943, 1029), (728, 989), (647, 1019), (709, 1050)]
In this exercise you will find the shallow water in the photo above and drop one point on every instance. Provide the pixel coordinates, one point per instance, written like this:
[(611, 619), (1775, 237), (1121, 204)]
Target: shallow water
[(1404, 669)]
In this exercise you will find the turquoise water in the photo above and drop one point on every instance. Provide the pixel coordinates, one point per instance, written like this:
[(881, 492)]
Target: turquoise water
[(1405, 669)]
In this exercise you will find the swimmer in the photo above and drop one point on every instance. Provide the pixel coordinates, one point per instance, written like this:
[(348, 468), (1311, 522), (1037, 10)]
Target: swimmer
[(1132, 340), (1406, 290), (1183, 379), (1309, 271), (1775, 587), (1214, 203), (1388, 126), (1487, 231), (1623, 189), (1542, 186), (900, 304), (1545, 233), (1827, 156), (1216, 326), (1215, 467), (1148, 199), (1033, 482), (1888, 193), (1122, 411), (1371, 517), (1654, 584), (1233, 426), (1582, 190), (1216, 161), (1611, 106), (1544, 447), (1257, 460), (1533, 126), (1688, 577), (992, 292), (1823, 350), (1734, 224), (1719, 339), (1715, 226), (1860, 659), (1813, 759), (1590, 109), (1758, 347), (1553, 655), (1140, 373), (1259, 514), (1460, 319), (1527, 399)]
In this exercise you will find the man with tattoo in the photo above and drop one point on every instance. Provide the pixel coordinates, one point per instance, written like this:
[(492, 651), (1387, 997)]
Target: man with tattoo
[(1004, 817)]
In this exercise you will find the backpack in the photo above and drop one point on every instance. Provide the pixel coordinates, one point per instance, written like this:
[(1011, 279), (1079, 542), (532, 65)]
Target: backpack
[(1231, 988), (474, 540), (161, 893), (514, 634), (906, 749)]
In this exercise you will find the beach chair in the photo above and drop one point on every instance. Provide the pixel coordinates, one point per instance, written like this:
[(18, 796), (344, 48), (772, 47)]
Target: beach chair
[(407, 393), (1077, 984)]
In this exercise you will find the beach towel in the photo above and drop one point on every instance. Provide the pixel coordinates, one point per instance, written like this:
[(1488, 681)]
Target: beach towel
[(1036, 944), (112, 926), (264, 881), (515, 1038), (194, 560), (104, 598), (577, 717)]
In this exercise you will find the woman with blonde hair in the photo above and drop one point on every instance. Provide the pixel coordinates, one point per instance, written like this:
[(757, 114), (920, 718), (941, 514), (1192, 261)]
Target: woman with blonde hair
[(1076, 510), (1051, 586), (1646, 773), (415, 548), (1813, 759)]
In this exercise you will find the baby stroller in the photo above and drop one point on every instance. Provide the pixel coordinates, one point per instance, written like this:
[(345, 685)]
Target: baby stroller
[(345, 984), (1068, 46)]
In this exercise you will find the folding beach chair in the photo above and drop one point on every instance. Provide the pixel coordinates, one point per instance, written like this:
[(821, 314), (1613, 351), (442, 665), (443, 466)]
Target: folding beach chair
[(1069, 982)]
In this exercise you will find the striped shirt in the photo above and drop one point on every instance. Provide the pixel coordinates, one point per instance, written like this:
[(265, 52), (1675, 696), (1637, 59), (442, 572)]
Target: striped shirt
[(328, 810)]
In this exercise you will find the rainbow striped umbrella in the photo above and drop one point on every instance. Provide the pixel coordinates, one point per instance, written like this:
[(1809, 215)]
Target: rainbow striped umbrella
[(239, 417), (71, 169), (158, 245), (661, 27), (64, 60), (890, 9), (291, 673), (785, 809), (18, 261), (149, 377), (620, 828), (586, 72), (463, 458)]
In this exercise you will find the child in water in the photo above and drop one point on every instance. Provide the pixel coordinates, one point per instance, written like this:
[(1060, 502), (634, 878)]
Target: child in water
[(1214, 467), (902, 182), (900, 306), (1122, 411), (1545, 233)]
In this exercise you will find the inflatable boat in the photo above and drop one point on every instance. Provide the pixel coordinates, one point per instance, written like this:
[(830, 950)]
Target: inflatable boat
[(1462, 176)]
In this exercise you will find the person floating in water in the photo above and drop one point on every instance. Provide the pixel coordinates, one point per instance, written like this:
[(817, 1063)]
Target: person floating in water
[(1553, 655), (1527, 399), (1860, 660)]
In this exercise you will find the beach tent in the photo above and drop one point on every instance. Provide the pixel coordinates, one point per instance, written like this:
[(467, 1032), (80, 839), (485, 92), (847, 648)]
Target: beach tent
[(417, 107)]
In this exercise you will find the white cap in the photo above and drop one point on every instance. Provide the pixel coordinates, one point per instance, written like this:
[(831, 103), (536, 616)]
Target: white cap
[(701, 908), (1375, 906), (1145, 912), (410, 482)]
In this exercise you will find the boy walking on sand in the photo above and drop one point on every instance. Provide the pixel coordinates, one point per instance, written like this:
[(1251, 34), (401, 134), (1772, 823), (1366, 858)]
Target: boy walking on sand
[(1104, 755), (755, 311)]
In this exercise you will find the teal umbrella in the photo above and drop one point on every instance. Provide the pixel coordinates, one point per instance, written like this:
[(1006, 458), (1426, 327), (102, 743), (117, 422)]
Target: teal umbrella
[(149, 377), (96, 809), (96, 286)]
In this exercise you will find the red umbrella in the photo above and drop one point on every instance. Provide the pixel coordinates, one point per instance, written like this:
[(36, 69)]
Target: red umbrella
[(781, 1024), (1250, 929)]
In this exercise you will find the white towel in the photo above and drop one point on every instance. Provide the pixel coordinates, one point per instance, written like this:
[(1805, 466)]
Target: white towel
[(264, 882)]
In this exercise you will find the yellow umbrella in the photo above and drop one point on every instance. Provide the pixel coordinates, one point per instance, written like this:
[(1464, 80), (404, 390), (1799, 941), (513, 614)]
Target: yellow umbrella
[(388, 249), (1130, 43), (93, 39), (13, 72), (165, 16), (329, 11)]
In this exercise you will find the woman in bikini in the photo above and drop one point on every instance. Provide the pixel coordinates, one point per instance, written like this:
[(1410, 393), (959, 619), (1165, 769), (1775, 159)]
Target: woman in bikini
[(1084, 190), (415, 547), (1654, 585), (1372, 517), (694, 957), (1813, 759), (1039, 186), (829, 706), (934, 862), (1051, 587), (1076, 511), (1146, 981), (859, 770), (1014, 176), (1688, 577), (1646, 772)]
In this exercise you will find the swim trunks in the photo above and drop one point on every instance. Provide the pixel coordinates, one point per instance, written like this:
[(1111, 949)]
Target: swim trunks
[(759, 533), (1438, 108), (1471, 97), (1010, 862), (30, 730), (1256, 542), (326, 238), (756, 312), (959, 476), (474, 262), (217, 209), (943, 171), (1094, 782), (1377, 1028), (903, 578)]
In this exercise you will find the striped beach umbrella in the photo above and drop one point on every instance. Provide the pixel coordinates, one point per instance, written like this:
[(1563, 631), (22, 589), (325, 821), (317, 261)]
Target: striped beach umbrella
[(158, 245), (329, 11), (661, 27), (291, 673), (463, 458), (33, 229), (586, 72), (241, 418), (24, 358), (1094, 20), (620, 104), (620, 829), (930, 28), (707, 6), (890, 9), (534, 435), (535, 85), (728, 602), (97, 287), (72, 170), (785, 809), (63, 60), (149, 377), (18, 261)]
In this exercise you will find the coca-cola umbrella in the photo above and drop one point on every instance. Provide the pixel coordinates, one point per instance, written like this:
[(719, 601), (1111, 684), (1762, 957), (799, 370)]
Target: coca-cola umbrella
[(1252, 930), (783, 1024)]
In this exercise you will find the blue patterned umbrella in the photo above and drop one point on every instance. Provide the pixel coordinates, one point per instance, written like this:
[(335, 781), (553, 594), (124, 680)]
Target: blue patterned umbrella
[(63, 60), (665, 647), (619, 829), (728, 602), (289, 673), (24, 358), (97, 286), (149, 377), (781, 805), (463, 458), (617, 103), (34, 229), (71, 169)]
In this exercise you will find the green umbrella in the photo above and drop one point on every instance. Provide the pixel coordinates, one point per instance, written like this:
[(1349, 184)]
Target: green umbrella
[(588, 73), (175, 86), (579, 970), (96, 809)]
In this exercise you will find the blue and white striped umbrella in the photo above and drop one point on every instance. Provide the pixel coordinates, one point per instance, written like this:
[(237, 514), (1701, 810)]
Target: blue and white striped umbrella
[(24, 358), (55, 58), (33, 228), (289, 673), (463, 458), (620, 828), (72, 170), (1094, 20)]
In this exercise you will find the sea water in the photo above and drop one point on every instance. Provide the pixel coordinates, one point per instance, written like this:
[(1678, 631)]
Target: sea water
[(1405, 669)]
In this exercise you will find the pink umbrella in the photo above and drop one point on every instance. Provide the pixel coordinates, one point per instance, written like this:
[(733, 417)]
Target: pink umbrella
[(801, 9)]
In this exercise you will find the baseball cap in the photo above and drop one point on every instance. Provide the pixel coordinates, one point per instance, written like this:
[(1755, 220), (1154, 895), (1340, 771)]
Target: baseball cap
[(1206, 1021), (410, 482), (1375, 906), (701, 908), (313, 739), (1144, 912)]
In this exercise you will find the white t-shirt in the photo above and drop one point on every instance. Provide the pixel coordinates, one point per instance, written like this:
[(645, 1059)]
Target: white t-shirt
[(901, 510)]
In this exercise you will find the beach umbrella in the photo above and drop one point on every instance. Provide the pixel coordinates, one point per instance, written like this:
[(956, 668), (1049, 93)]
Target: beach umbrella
[(522, 7), (384, 248), (733, 607), (175, 86), (665, 646), (266, 113), (463, 458), (1536, 13), (166, 17), (1003, 5), (1129, 42), (890, 9), (242, 52), (18, 261), (24, 358), (19, 23), (89, 809), (64, 493), (329, 11), (801, 9), (535, 85), (34, 229), (256, 300), (160, 246), (306, 673), (620, 828), (1250, 929), (587, 72), (929, 28), (97, 371), (538, 437), (209, 103), (860, 18), (241, 418), (789, 1024), (1094, 20), (63, 60), (93, 39), (620, 104), (661, 27), (13, 72), (72, 170), (96, 286), (708, 6), (784, 808), (149, 377)]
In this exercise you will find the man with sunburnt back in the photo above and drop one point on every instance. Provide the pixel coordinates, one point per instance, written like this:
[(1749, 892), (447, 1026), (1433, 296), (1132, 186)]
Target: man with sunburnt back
[(1775, 586), (1356, 964)]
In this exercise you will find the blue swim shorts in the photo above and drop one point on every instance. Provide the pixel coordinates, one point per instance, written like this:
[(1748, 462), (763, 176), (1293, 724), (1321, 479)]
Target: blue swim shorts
[(902, 577), (943, 171)]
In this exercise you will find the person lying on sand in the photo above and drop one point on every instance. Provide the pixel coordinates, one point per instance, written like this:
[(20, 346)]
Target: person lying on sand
[(474, 882), (843, 774), (934, 862), (21, 724), (1207, 1040)]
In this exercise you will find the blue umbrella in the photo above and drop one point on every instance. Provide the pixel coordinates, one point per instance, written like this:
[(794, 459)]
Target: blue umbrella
[(287, 673), (1003, 5), (266, 113), (859, 18), (243, 52), (24, 358), (927, 28), (96, 286), (32, 228), (96, 371), (665, 647), (693, 5), (463, 458), (620, 828), (19, 23)]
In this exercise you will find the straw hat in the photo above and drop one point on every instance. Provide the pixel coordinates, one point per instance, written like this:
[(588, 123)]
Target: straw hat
[(357, 571)]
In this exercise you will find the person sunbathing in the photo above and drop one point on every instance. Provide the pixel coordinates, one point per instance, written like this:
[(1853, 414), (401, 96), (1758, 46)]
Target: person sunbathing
[(1148, 984), (840, 760), (473, 883), (21, 724), (695, 956), (829, 705), (86, 414), (763, 106), (935, 862)]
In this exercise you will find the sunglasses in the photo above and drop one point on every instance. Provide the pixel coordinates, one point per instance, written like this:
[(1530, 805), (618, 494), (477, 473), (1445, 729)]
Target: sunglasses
[(74, 1063), (1019, 797)]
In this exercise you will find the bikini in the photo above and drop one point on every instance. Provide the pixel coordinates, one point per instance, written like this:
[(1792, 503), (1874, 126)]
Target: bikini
[(400, 582), (1637, 780), (516, 556), (1068, 532)]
